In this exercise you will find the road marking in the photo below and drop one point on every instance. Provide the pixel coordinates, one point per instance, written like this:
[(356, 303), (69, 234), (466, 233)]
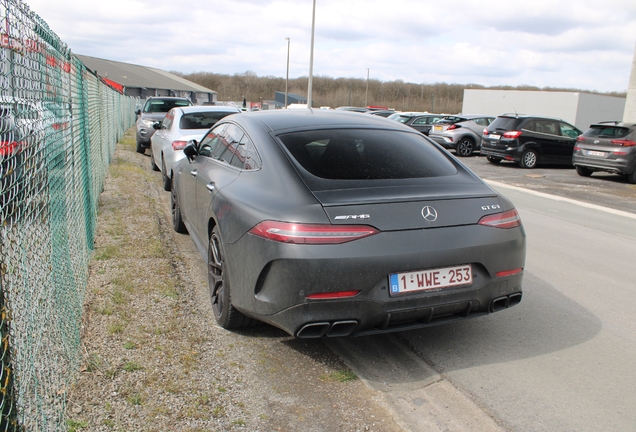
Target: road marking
[(567, 200)]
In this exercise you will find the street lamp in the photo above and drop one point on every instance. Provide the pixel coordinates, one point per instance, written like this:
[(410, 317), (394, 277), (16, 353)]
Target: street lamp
[(311, 56), (287, 77), (366, 95)]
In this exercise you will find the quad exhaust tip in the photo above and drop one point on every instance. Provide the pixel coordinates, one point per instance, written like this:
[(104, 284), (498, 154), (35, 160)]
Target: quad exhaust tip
[(328, 329), (501, 303)]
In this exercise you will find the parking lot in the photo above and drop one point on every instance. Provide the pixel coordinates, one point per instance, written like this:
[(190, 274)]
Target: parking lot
[(604, 189)]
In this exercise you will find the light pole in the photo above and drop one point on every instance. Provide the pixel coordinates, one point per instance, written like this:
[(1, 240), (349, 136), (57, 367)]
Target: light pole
[(311, 56), (287, 76), (349, 94), (366, 94)]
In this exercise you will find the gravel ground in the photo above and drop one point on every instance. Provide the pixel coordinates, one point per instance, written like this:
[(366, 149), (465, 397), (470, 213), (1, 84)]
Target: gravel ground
[(153, 358)]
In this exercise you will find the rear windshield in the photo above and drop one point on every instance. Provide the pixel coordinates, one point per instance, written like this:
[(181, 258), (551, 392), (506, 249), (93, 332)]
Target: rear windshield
[(607, 132), (363, 154), (164, 105), (202, 120), (451, 119), (504, 123)]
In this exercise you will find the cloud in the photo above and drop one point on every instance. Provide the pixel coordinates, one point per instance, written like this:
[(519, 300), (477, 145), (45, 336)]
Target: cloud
[(544, 43)]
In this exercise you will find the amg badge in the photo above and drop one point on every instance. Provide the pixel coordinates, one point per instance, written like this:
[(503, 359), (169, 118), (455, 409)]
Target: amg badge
[(345, 217)]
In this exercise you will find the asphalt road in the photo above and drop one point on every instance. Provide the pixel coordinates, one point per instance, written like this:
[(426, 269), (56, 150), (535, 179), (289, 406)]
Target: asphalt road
[(563, 359)]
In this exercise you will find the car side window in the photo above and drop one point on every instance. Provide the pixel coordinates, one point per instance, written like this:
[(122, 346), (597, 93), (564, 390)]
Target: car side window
[(226, 145), (421, 121), (246, 157), (569, 131), (481, 121), (209, 142), (548, 127)]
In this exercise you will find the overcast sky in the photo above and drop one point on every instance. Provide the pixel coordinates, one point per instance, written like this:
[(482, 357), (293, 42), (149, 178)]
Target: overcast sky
[(583, 44)]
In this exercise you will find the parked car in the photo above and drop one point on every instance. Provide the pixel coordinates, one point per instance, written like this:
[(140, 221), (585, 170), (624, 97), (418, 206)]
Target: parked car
[(332, 224), (178, 127), (154, 110), (382, 112), (529, 140), (607, 146), (461, 133), (422, 122)]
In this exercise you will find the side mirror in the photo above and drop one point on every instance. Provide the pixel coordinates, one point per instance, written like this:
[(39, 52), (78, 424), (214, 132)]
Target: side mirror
[(190, 150), (138, 111), (156, 125)]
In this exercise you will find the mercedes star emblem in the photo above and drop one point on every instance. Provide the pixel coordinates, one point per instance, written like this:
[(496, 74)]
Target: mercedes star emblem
[(429, 213)]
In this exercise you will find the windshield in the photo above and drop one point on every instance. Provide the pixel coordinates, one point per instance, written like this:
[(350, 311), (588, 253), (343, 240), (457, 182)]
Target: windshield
[(164, 105)]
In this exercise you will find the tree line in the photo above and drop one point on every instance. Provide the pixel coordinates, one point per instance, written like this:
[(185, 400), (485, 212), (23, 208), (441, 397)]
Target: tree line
[(335, 92)]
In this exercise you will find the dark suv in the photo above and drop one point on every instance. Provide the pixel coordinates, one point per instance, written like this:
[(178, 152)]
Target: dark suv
[(607, 146), (529, 140), (154, 110)]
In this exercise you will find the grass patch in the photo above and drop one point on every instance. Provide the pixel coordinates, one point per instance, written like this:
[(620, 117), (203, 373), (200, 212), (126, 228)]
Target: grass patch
[(75, 425), (340, 376), (134, 399), (107, 252), (132, 366), (130, 345), (116, 328)]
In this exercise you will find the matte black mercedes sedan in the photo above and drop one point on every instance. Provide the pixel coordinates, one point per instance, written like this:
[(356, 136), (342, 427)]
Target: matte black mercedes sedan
[(327, 223)]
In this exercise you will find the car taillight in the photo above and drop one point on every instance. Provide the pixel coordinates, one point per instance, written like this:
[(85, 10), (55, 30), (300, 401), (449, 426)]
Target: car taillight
[(580, 138), (577, 148), (505, 220), (512, 134), (485, 131), (624, 143), (507, 273), (178, 145), (8, 148), (296, 233), (453, 126)]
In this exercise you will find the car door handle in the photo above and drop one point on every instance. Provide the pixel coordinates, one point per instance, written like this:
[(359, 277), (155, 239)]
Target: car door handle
[(211, 186), (193, 173)]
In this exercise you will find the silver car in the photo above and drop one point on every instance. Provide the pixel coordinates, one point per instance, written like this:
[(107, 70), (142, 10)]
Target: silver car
[(461, 133), (607, 146), (154, 110), (179, 126)]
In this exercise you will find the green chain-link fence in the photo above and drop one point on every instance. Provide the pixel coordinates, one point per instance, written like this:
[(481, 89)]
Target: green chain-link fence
[(58, 128)]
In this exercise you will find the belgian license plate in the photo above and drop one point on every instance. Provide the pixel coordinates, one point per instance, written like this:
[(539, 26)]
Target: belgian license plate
[(431, 280), (595, 153), (494, 137)]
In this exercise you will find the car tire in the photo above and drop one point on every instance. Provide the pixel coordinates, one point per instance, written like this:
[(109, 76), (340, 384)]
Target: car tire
[(140, 148), (153, 164), (528, 159), (583, 171), (493, 160), (219, 285), (631, 178), (167, 180), (177, 221), (465, 147)]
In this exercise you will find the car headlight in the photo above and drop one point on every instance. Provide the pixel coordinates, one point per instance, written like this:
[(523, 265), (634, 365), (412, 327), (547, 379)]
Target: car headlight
[(147, 123)]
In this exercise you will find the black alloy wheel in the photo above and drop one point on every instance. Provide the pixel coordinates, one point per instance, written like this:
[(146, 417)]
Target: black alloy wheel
[(140, 148), (631, 178), (218, 282), (465, 147), (177, 221), (528, 159), (167, 180)]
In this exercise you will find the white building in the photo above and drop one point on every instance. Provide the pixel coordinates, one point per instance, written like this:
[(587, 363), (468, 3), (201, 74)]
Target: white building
[(580, 109)]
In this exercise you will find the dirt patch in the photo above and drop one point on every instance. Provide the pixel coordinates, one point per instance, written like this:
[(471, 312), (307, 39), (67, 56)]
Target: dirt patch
[(153, 358)]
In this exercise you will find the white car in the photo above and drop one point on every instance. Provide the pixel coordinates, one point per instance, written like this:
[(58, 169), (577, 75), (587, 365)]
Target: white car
[(181, 125)]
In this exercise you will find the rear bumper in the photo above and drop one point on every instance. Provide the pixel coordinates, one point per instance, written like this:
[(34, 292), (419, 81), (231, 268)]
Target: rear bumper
[(620, 166), (271, 281)]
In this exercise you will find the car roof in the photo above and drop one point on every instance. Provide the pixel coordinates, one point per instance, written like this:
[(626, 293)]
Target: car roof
[(282, 120), (525, 116), (613, 123)]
